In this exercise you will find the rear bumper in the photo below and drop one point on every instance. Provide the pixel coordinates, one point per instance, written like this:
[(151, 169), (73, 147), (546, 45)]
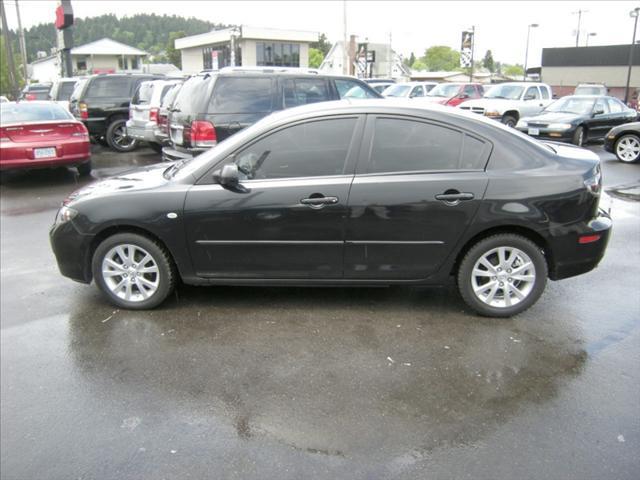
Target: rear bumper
[(72, 251), (145, 133), (170, 154), (574, 258), (16, 156)]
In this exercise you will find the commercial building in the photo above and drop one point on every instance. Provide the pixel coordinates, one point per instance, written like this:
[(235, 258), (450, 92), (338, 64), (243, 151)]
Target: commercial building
[(245, 46), (564, 68), (102, 56)]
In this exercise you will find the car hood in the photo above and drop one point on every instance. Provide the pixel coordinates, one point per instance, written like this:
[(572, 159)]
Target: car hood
[(142, 178), (555, 117), (499, 104)]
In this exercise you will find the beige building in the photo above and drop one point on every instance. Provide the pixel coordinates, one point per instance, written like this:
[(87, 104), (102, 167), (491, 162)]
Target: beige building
[(245, 46)]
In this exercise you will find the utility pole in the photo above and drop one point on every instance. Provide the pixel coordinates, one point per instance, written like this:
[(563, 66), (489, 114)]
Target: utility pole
[(15, 90), (345, 53), (390, 57), (473, 47), (633, 14), (579, 13), (23, 46), (526, 54)]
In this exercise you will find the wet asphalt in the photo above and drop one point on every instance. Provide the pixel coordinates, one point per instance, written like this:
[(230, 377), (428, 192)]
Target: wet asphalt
[(290, 383)]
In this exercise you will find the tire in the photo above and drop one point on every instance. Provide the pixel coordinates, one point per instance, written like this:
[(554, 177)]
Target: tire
[(504, 302), (578, 137), (156, 147), (84, 169), (127, 290), (627, 148), (116, 139), (510, 121)]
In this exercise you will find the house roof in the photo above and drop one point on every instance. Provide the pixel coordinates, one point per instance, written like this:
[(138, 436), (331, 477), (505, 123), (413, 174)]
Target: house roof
[(106, 46)]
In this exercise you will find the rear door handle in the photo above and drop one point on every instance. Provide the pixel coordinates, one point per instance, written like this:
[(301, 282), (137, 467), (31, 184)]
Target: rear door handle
[(454, 198), (319, 202)]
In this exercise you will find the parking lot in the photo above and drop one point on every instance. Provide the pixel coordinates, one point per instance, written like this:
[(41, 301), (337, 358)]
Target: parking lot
[(235, 382)]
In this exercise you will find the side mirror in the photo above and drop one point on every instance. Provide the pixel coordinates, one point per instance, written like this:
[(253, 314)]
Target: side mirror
[(530, 97), (598, 111), (462, 96), (227, 176)]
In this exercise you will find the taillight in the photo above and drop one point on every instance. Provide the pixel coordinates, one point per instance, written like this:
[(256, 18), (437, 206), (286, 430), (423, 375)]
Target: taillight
[(588, 239), (80, 131), (153, 115), (3, 136), (29, 96), (202, 134), (83, 108), (594, 183)]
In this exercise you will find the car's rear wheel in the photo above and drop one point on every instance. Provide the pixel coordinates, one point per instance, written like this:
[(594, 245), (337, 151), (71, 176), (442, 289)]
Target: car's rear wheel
[(502, 275), (578, 137), (510, 121), (133, 271), (628, 148), (117, 136)]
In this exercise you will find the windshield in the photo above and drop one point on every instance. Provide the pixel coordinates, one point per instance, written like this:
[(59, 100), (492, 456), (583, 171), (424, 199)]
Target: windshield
[(397, 91), (577, 105), (511, 92), (32, 112), (444, 90)]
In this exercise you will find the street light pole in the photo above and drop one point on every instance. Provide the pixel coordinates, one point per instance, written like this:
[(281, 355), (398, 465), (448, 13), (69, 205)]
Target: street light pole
[(579, 12), (633, 14), (592, 34), (526, 54)]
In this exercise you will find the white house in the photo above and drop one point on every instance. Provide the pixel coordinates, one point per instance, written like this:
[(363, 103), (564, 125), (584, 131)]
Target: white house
[(102, 56), (245, 46)]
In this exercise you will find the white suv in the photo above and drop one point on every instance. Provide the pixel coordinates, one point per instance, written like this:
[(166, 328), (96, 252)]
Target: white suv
[(507, 102)]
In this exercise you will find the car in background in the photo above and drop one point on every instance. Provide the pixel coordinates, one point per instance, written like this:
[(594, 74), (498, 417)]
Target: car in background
[(508, 102), (41, 135), (577, 119), (591, 89), (453, 94), (35, 91), (409, 89), (345, 194), (144, 110), (379, 84), (61, 91), (213, 106), (161, 132), (624, 142), (101, 102)]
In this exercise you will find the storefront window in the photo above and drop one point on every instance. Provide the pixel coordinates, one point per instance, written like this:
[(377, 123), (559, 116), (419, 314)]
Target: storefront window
[(277, 54)]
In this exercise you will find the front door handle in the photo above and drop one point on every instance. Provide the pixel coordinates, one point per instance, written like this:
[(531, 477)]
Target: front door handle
[(453, 197), (317, 201)]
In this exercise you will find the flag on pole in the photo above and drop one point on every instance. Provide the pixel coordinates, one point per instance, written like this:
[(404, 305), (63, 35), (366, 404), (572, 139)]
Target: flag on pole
[(466, 47)]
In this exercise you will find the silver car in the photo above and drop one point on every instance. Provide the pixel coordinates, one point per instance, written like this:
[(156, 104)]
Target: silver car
[(144, 110)]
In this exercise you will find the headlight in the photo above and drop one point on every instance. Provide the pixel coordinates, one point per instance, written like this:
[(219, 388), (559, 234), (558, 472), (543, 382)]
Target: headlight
[(492, 113), (65, 214), (559, 126), (521, 124)]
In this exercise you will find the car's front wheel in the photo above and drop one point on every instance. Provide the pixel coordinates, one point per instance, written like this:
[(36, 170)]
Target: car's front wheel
[(117, 136), (502, 275), (133, 271), (628, 148)]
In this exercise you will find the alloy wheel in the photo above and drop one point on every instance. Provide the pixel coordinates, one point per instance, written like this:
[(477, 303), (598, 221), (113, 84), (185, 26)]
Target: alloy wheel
[(120, 137), (503, 277), (628, 149), (130, 273)]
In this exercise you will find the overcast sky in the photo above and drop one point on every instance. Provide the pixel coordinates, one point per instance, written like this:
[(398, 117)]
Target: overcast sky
[(414, 26)]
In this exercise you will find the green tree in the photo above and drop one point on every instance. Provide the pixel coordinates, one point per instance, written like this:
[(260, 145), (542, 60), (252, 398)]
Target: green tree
[(410, 61), (488, 62), (174, 55), (512, 70), (418, 64), (5, 85), (315, 57), (441, 58), (322, 44)]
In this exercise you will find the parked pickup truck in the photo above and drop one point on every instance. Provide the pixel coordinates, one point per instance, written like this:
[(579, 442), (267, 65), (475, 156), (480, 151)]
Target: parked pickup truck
[(507, 102)]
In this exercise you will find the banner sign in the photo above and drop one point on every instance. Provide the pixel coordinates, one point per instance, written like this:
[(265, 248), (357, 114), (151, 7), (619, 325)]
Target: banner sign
[(466, 48)]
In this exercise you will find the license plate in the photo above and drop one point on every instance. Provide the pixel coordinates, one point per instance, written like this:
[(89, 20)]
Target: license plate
[(176, 136), (534, 131), (44, 152)]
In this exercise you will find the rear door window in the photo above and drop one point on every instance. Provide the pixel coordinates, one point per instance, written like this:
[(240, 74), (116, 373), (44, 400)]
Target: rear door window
[(105, 87), (242, 95), (301, 91)]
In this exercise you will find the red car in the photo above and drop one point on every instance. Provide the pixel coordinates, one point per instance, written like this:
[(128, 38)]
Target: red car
[(41, 135), (453, 94)]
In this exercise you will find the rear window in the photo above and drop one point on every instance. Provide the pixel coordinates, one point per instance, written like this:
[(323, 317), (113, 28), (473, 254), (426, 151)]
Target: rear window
[(32, 112), (193, 95), (65, 90), (143, 94), (242, 95), (103, 87)]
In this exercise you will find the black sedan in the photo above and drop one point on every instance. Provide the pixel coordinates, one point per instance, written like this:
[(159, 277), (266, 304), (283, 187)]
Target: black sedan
[(577, 119), (345, 193), (624, 141)]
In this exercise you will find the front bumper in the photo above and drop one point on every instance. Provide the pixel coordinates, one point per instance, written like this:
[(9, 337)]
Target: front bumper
[(609, 143), (574, 258), (553, 135), (72, 251)]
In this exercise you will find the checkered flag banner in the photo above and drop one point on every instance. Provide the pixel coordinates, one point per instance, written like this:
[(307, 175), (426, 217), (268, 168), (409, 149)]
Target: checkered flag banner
[(465, 49)]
